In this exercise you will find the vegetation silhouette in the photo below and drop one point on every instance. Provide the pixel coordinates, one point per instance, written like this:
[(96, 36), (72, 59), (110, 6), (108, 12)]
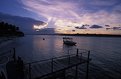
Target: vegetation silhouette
[(9, 30)]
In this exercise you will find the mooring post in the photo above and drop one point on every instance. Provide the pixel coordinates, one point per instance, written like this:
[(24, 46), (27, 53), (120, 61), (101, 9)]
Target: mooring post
[(76, 75), (77, 52), (64, 74), (68, 56), (10, 51), (80, 56), (29, 70), (52, 65), (68, 59), (14, 54), (14, 50), (87, 73)]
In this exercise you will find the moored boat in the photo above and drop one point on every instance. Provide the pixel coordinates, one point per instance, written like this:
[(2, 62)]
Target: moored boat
[(68, 41)]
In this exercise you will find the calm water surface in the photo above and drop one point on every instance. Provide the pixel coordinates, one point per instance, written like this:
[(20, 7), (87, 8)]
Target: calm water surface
[(105, 52)]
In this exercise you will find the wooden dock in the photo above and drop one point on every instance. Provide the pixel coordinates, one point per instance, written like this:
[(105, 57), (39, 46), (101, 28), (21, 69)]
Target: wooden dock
[(56, 67)]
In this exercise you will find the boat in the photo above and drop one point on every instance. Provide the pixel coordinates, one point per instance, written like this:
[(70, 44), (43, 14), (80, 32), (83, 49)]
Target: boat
[(68, 41)]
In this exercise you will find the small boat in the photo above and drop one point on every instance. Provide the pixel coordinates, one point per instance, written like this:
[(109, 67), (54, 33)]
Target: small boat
[(68, 41)]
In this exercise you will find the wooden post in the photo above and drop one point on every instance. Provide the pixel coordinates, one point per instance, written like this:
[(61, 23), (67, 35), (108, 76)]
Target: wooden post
[(76, 75), (52, 65), (68, 59), (29, 70), (11, 53), (81, 54), (87, 72), (64, 74), (68, 52), (77, 52), (80, 57), (14, 54)]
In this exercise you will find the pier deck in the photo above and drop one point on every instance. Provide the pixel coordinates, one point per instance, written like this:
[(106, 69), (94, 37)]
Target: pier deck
[(55, 67)]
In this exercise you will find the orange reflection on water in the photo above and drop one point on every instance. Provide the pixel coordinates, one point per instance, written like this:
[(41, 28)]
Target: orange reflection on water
[(49, 46)]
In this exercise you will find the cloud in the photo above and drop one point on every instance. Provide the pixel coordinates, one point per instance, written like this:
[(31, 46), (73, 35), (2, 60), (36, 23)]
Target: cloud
[(97, 5), (82, 27), (117, 9), (116, 28), (52, 9), (75, 12), (96, 26), (101, 18), (103, 2)]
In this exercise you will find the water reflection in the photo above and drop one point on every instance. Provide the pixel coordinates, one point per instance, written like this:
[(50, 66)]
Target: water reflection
[(50, 47), (105, 52)]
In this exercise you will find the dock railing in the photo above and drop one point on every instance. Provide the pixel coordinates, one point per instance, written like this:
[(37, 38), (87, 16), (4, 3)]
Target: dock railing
[(7, 55), (52, 64)]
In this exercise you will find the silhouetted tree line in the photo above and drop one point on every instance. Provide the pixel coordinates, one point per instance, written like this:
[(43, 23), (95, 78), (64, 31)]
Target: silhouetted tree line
[(9, 30)]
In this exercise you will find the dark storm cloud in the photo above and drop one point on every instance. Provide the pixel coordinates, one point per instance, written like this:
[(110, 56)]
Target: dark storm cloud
[(82, 27), (96, 27), (116, 28)]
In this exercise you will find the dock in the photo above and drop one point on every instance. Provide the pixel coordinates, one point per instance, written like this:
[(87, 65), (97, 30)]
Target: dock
[(57, 67)]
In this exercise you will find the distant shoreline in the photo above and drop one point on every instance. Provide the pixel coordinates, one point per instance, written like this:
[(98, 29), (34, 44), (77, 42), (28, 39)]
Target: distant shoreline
[(86, 35), (93, 35)]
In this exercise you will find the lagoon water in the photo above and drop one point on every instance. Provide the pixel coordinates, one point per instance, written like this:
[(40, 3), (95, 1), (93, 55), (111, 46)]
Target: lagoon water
[(105, 52)]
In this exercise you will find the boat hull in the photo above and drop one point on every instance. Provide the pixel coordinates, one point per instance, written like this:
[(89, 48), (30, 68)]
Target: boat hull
[(70, 43)]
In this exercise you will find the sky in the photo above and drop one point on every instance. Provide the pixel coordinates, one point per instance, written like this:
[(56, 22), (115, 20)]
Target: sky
[(70, 16)]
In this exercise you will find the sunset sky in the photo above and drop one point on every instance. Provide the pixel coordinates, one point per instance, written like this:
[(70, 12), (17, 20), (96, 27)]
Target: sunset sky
[(70, 16)]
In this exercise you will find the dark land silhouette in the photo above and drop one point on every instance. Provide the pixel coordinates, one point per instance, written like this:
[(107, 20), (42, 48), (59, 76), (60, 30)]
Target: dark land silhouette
[(9, 30)]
